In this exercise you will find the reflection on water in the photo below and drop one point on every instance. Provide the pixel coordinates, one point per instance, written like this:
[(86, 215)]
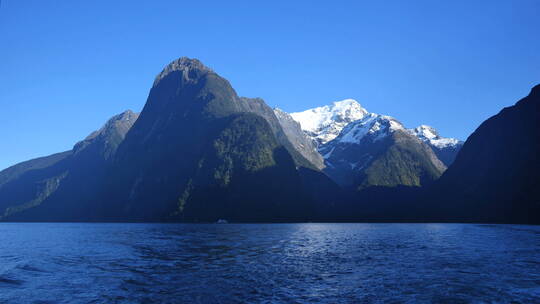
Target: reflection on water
[(272, 263)]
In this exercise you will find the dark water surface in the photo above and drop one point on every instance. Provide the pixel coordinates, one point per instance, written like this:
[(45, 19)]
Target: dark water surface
[(269, 263)]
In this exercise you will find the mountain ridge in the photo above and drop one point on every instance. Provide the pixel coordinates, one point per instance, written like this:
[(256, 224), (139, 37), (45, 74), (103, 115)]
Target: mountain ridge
[(198, 152), (350, 139), (192, 146), (60, 180), (325, 123)]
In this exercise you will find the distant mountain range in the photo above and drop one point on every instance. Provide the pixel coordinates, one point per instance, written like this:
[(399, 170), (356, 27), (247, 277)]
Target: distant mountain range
[(362, 149), (198, 152)]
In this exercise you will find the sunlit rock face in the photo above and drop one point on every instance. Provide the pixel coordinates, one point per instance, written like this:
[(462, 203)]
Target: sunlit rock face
[(303, 143)]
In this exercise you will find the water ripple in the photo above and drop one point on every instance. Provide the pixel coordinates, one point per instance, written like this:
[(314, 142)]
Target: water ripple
[(281, 263)]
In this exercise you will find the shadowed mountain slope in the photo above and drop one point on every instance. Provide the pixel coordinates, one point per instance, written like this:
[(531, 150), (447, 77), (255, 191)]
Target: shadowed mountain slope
[(496, 175), (54, 187), (199, 152)]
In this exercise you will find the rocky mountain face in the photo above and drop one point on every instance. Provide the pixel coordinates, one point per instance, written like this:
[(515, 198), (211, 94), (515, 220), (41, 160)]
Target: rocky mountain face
[(284, 133), (49, 188), (495, 177), (298, 138), (363, 149)]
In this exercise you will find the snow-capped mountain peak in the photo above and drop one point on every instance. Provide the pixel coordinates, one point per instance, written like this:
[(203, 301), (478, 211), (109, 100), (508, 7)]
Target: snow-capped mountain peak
[(430, 135), (346, 123), (426, 131), (373, 125), (325, 123)]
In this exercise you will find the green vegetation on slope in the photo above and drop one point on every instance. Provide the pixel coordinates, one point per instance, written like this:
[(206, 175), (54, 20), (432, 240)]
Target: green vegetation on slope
[(406, 162)]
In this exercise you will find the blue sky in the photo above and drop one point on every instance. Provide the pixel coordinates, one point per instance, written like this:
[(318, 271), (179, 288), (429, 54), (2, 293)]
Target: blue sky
[(67, 66)]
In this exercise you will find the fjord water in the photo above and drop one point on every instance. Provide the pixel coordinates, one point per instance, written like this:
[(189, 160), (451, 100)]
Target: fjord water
[(268, 263)]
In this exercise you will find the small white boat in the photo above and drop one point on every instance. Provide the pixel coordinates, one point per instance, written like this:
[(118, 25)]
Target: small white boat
[(222, 221)]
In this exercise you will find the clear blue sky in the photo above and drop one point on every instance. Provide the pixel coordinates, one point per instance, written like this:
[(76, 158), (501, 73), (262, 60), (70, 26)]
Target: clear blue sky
[(67, 66)]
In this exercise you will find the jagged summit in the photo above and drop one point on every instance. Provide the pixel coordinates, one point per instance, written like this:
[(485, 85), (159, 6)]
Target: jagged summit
[(110, 135), (427, 131), (325, 123), (373, 125), (379, 150), (429, 135), (184, 65), (362, 148), (122, 122)]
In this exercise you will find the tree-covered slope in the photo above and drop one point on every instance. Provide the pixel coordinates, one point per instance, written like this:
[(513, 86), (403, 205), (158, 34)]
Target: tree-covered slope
[(244, 174), (404, 161), (378, 151)]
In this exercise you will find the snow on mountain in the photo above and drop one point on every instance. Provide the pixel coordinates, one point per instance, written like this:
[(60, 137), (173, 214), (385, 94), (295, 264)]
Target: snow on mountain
[(347, 123), (375, 125), (372, 126), (445, 148), (299, 139), (325, 123), (431, 136), (361, 148), (379, 150)]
